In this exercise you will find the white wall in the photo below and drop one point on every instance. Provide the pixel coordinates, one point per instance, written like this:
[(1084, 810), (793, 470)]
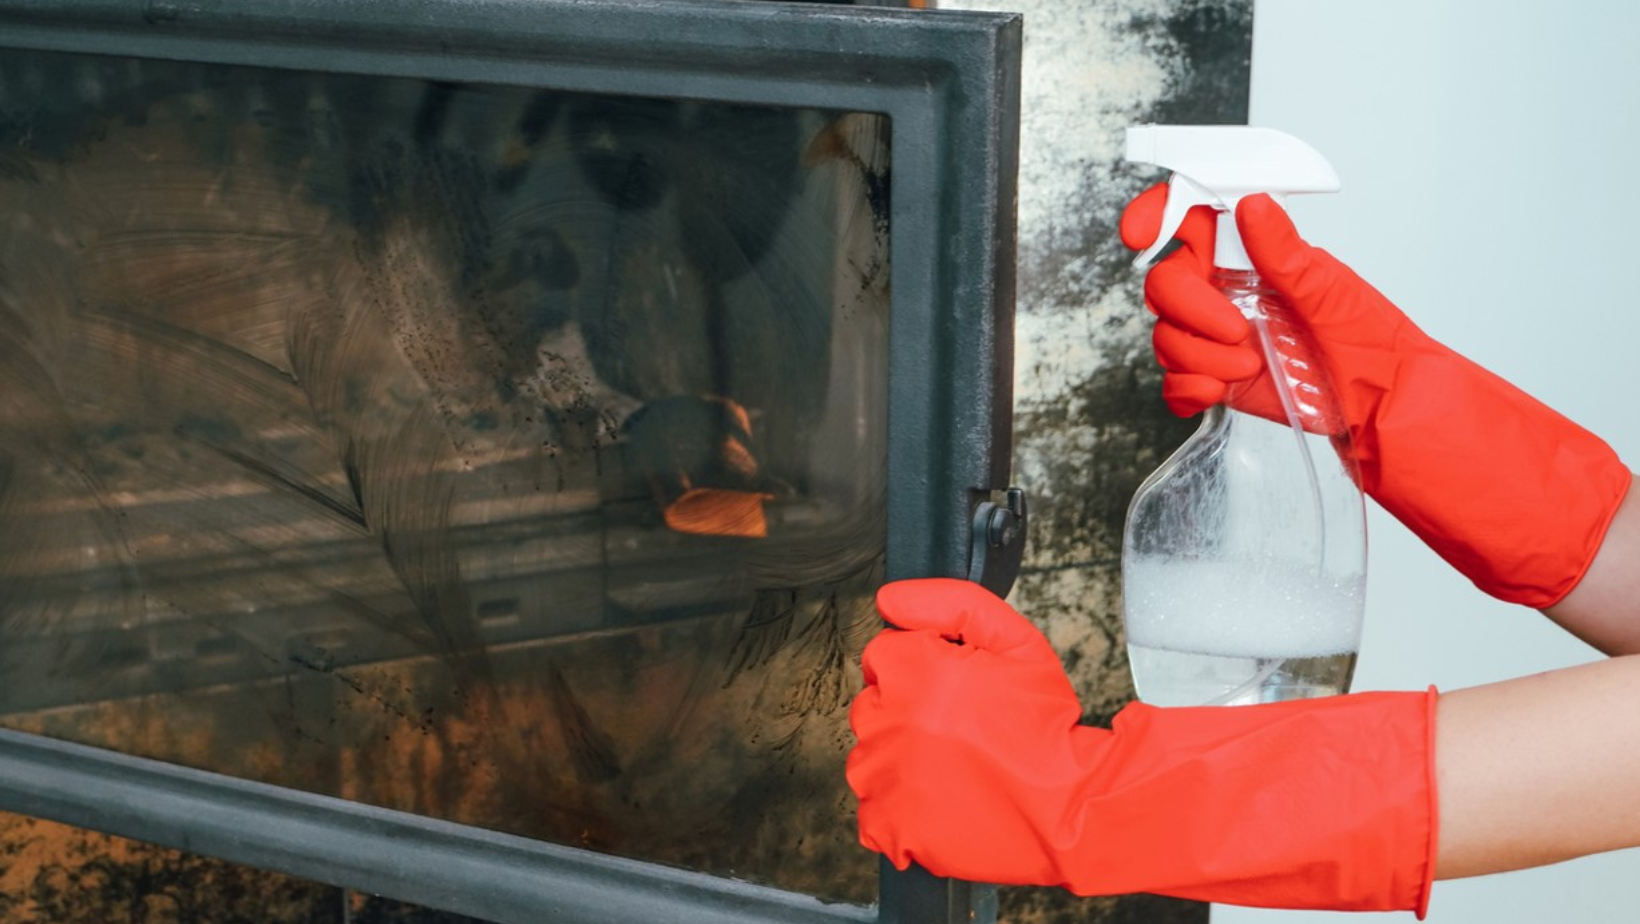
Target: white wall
[(1491, 160)]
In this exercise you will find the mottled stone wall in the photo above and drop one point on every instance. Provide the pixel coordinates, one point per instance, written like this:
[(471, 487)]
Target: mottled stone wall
[(1089, 421)]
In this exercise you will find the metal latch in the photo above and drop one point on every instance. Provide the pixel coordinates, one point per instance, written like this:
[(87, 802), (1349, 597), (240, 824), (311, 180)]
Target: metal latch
[(998, 543)]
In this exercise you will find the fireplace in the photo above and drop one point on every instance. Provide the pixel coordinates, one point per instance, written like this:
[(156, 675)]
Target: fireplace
[(447, 449)]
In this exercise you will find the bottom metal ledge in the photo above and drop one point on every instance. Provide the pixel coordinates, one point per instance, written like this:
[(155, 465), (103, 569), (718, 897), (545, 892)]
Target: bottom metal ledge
[(470, 871)]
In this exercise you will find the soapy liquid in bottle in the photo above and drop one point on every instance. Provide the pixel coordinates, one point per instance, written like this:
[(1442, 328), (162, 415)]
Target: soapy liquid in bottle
[(1244, 558), (1230, 634)]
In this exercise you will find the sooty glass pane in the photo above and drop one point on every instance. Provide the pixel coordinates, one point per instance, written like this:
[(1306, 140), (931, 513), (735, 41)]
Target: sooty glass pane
[(505, 456)]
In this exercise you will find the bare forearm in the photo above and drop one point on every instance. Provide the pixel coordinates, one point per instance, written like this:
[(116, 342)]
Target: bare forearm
[(1604, 608), (1539, 769)]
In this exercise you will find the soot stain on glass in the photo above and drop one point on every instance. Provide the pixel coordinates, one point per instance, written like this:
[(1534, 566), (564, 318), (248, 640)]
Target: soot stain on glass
[(506, 456)]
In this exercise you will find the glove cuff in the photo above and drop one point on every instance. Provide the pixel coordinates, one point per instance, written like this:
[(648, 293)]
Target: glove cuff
[(1326, 803), (1426, 885), (1512, 494)]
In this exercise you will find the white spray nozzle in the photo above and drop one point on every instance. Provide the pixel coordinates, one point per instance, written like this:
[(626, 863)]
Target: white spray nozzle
[(1217, 165)]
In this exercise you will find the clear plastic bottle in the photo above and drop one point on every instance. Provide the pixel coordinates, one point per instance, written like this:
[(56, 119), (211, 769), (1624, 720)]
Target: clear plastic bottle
[(1244, 554)]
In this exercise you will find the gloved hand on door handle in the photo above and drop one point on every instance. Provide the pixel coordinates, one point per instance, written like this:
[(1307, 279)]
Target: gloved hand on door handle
[(971, 762), (1512, 494)]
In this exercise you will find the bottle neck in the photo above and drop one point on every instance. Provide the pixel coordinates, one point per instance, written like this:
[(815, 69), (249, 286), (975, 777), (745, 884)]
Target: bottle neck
[(1239, 284), (1228, 251)]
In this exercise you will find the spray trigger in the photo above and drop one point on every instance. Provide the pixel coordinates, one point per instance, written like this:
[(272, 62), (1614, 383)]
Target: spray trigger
[(1219, 165), (1183, 194)]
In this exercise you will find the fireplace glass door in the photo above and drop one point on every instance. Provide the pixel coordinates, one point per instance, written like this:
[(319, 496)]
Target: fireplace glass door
[(497, 451)]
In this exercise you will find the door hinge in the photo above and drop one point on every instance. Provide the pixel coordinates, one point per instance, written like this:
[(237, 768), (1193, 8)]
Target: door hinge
[(998, 543)]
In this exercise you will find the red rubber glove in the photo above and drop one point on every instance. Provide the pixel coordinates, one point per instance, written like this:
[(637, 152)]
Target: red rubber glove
[(971, 762), (1510, 493)]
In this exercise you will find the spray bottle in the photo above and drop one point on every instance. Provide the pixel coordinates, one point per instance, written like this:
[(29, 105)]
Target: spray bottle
[(1244, 554)]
